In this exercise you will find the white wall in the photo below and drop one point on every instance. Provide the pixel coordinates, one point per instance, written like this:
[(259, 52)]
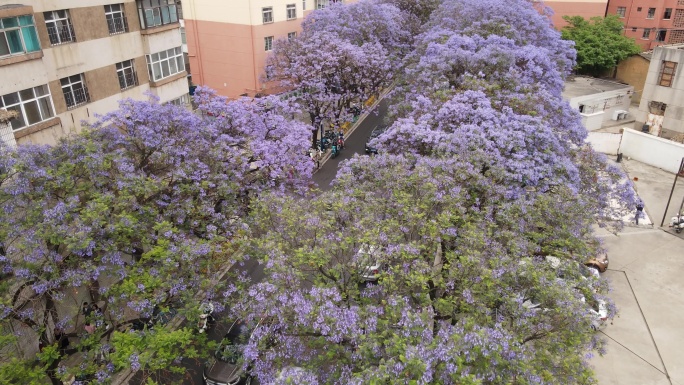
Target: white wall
[(652, 150), (604, 142), (593, 121), (596, 103)]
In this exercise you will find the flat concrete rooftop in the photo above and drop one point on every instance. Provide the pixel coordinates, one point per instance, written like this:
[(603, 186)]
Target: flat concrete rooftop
[(583, 85)]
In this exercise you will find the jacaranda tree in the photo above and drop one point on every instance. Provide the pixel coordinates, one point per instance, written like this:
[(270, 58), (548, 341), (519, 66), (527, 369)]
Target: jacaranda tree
[(135, 214), (475, 220)]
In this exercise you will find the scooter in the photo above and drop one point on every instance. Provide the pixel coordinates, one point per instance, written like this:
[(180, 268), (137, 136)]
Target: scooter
[(206, 318), (335, 150), (677, 223), (340, 140)]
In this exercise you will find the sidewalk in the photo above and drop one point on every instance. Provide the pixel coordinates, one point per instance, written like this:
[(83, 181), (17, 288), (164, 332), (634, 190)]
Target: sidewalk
[(644, 342)]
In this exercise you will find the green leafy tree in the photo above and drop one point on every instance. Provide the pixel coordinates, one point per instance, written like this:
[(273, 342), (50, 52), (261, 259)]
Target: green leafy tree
[(599, 42)]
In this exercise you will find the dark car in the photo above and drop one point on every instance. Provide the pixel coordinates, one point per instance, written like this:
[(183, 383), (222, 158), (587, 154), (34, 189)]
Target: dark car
[(377, 131), (226, 367)]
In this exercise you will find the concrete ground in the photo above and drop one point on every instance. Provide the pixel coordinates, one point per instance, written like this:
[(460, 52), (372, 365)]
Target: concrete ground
[(645, 342)]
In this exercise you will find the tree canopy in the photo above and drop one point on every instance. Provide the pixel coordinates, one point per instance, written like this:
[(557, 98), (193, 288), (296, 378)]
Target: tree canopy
[(600, 43)]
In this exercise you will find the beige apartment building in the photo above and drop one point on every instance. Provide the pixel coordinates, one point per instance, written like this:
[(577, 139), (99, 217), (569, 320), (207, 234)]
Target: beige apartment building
[(63, 61), (229, 40)]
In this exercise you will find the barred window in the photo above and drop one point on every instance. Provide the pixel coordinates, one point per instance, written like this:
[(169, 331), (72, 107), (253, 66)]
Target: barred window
[(153, 13), (621, 11), (33, 105), (125, 70), (75, 91), (667, 73), (268, 43), (165, 63), (60, 29), (116, 20), (18, 36)]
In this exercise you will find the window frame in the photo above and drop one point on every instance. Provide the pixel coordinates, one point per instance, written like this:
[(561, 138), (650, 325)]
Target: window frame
[(660, 33), (126, 73), (111, 18), (21, 106), (646, 34), (291, 35), (267, 15), (268, 43), (59, 38), (667, 15), (79, 96), (176, 54), (155, 9), (291, 11), (22, 30), (668, 71), (651, 13), (303, 5), (621, 11)]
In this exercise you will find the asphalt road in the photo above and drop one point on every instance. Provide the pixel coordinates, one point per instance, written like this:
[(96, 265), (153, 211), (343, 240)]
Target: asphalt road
[(355, 144)]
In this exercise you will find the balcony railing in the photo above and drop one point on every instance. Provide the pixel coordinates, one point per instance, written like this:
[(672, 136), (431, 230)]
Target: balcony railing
[(117, 25), (61, 34), (76, 97)]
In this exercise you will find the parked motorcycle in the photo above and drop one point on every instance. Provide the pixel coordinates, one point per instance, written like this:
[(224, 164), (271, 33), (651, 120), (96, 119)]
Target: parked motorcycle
[(335, 150), (677, 223), (206, 318)]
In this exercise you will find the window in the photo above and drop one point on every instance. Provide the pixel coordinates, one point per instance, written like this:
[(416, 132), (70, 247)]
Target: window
[(667, 73), (116, 21), (268, 43), (184, 38), (291, 11), (303, 5), (320, 4), (267, 14), (668, 14), (126, 73), (634, 29), (60, 29), (181, 101), (651, 13), (154, 13), (33, 105), (647, 33), (621, 11), (660, 35), (638, 9), (165, 63), (291, 36), (18, 36), (75, 91)]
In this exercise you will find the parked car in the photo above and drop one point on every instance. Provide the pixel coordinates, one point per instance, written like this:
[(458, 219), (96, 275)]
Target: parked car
[(372, 266), (377, 131), (226, 367)]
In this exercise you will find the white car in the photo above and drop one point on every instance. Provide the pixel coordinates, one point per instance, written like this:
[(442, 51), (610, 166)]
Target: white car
[(372, 267)]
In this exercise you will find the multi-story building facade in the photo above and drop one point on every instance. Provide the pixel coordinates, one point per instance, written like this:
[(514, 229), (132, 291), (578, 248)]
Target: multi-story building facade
[(585, 8), (228, 41), (63, 61), (651, 23), (662, 103)]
